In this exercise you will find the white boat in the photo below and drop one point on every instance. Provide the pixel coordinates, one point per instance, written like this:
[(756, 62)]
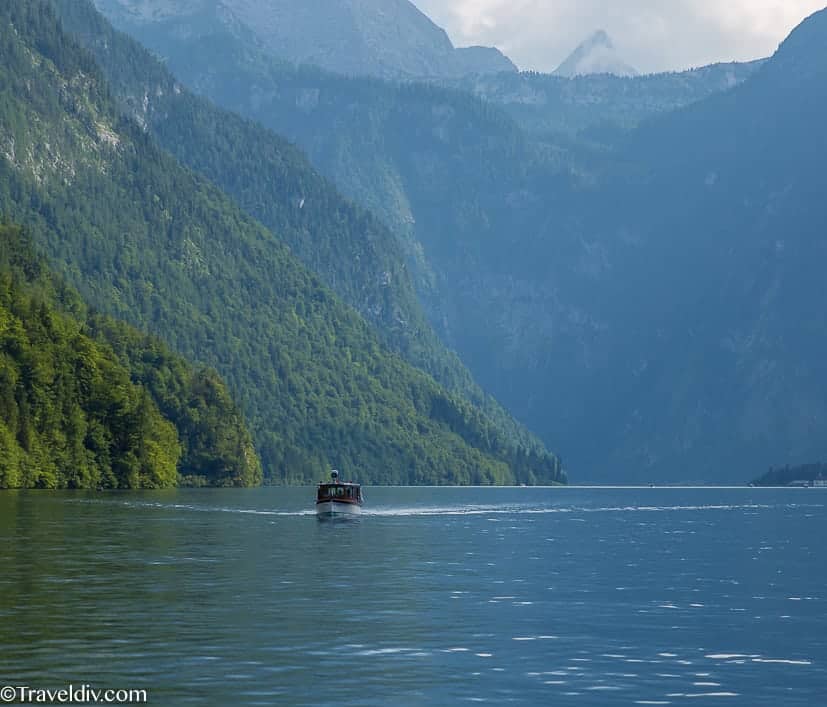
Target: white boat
[(336, 497)]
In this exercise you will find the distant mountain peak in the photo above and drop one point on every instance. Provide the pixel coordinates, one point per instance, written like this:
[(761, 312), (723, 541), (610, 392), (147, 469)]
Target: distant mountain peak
[(600, 38), (595, 55)]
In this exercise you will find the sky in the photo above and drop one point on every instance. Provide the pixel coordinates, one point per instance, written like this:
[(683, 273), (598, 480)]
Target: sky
[(651, 35)]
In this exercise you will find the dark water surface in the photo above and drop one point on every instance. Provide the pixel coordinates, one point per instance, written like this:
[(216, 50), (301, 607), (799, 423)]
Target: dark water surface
[(433, 596)]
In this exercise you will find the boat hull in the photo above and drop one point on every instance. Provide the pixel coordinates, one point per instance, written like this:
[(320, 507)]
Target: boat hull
[(337, 508)]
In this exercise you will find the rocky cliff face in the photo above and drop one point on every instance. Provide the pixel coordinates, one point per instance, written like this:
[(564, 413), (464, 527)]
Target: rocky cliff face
[(596, 55), (384, 38)]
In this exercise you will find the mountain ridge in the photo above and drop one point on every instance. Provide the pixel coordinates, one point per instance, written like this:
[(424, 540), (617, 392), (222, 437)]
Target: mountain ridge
[(384, 38)]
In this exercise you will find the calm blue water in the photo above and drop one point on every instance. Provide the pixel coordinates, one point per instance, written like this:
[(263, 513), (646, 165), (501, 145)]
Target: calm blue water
[(434, 596)]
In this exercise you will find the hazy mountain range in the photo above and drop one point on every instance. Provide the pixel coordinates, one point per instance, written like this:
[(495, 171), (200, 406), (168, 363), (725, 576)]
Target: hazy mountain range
[(632, 265)]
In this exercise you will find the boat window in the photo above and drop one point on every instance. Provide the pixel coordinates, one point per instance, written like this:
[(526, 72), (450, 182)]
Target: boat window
[(328, 492)]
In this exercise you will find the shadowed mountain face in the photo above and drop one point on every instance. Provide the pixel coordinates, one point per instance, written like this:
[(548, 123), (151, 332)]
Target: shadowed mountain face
[(596, 55), (385, 38), (718, 253)]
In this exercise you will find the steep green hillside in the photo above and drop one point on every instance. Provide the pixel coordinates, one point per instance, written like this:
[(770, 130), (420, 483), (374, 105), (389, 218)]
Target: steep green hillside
[(443, 169), (354, 253), (217, 447), (147, 240), (88, 402)]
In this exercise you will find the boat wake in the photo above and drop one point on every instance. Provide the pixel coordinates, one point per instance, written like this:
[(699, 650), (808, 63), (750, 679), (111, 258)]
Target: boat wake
[(455, 510), (157, 505), (526, 509)]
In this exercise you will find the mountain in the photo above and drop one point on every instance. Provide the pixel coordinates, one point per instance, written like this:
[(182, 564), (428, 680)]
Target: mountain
[(350, 127), (670, 298), (149, 240), (275, 183), (385, 38), (617, 293), (89, 402), (595, 55), (500, 230)]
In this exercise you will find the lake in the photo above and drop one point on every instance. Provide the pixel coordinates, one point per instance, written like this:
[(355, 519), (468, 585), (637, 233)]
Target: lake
[(434, 596)]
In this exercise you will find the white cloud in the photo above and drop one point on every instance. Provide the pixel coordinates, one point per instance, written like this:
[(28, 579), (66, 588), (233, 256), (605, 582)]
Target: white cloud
[(653, 35)]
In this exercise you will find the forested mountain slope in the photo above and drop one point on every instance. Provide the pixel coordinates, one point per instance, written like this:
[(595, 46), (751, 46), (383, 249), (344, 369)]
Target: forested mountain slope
[(88, 402), (351, 250), (394, 148), (147, 240)]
